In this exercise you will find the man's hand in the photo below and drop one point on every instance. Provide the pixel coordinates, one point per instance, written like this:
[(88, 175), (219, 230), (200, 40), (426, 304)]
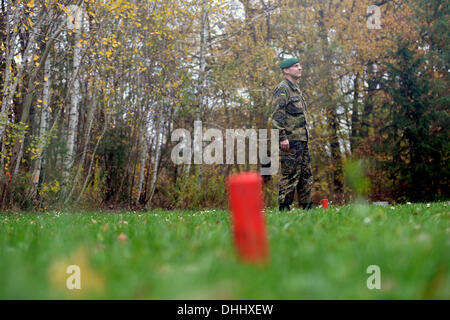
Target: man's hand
[(284, 145)]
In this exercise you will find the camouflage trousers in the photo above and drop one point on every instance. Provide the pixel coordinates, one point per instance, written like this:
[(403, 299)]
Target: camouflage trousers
[(296, 175)]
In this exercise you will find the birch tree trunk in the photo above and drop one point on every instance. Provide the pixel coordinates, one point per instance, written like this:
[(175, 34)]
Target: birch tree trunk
[(8, 91), (201, 78), (31, 88), (43, 134), (75, 99), (156, 159), (142, 146), (87, 135), (142, 159), (355, 115)]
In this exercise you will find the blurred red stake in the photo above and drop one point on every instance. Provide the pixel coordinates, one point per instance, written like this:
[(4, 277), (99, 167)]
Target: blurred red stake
[(325, 203), (248, 220)]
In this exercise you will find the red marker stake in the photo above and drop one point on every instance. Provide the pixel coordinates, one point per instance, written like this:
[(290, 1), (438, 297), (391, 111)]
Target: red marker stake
[(325, 203), (249, 227)]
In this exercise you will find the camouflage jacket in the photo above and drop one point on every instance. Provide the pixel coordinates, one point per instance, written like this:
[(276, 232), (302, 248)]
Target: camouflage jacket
[(289, 112)]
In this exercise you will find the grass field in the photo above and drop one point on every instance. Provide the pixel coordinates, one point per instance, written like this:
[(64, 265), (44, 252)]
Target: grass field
[(319, 254)]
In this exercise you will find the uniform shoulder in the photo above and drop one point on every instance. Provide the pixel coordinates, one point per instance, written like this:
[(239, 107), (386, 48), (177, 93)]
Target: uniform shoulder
[(281, 88)]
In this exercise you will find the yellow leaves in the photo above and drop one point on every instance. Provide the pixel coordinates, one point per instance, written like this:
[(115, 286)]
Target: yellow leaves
[(30, 4), (63, 8), (35, 58), (55, 187), (46, 79)]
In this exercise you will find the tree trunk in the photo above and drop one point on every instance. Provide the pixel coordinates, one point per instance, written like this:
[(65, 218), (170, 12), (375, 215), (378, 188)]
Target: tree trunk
[(8, 91), (43, 140), (202, 75), (368, 102), (31, 88), (331, 114), (355, 115), (142, 160), (87, 135), (156, 162), (73, 113)]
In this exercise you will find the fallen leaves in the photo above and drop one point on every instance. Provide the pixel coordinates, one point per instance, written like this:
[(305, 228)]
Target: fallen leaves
[(122, 237)]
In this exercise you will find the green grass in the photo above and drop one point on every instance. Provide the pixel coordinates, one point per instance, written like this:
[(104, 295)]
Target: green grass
[(319, 254)]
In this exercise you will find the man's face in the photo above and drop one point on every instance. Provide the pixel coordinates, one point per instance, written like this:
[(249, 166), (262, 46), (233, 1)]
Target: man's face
[(295, 71)]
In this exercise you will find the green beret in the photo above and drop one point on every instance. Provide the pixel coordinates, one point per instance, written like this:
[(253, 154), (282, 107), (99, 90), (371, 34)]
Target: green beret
[(288, 63)]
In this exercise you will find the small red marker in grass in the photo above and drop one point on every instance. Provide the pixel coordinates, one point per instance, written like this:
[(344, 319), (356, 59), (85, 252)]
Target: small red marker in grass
[(325, 203), (249, 226)]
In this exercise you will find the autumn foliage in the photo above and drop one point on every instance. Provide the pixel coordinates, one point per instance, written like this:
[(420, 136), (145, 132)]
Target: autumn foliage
[(92, 90)]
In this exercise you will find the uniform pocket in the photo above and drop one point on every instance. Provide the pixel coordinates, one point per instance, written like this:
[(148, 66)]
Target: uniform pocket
[(288, 161), (292, 109)]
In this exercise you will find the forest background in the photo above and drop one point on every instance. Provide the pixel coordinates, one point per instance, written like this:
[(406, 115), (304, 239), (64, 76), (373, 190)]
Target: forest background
[(92, 90)]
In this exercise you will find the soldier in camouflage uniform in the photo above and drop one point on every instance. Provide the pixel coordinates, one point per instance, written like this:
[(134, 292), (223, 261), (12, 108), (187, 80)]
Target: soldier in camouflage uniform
[(289, 117)]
